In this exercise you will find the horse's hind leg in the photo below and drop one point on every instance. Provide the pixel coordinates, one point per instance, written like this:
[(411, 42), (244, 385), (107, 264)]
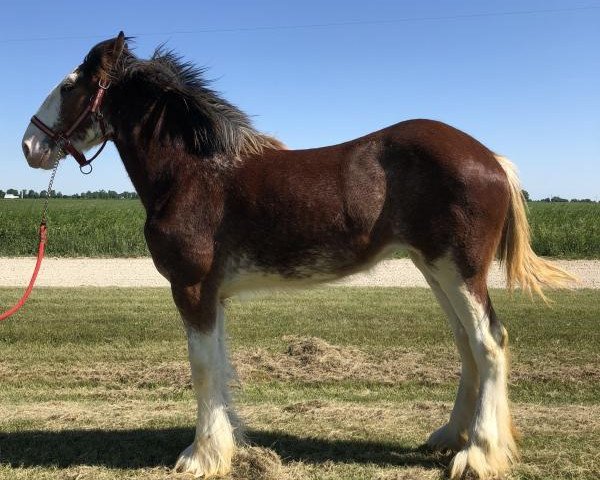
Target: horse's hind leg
[(211, 452), (491, 446), (454, 434)]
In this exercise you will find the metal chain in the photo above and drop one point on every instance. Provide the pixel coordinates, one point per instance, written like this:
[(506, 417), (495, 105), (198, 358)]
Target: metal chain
[(47, 200)]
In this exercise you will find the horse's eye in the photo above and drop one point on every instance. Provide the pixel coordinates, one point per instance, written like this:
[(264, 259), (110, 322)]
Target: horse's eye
[(67, 87)]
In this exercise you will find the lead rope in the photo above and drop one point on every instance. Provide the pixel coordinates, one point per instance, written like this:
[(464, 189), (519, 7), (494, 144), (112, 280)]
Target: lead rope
[(41, 249), (47, 200)]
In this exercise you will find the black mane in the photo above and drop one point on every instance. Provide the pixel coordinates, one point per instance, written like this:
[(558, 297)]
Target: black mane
[(177, 105)]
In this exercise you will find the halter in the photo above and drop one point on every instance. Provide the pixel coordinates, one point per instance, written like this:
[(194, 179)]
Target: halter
[(63, 138)]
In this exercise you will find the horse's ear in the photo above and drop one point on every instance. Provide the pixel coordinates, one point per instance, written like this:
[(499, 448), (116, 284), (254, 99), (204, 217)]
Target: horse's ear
[(111, 53), (103, 59), (118, 47)]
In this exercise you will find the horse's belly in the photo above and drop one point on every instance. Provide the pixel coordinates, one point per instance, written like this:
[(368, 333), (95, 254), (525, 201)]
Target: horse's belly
[(253, 278), (243, 275)]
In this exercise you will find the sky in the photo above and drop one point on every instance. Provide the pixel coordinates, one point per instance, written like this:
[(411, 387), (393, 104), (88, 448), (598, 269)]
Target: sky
[(521, 76)]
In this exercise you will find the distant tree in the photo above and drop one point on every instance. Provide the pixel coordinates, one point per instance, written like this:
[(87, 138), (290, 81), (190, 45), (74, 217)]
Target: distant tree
[(526, 195), (101, 194), (558, 199), (12, 191), (128, 195), (2, 193)]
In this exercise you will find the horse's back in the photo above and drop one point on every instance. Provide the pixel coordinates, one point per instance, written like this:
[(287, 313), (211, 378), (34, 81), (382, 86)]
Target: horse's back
[(429, 142)]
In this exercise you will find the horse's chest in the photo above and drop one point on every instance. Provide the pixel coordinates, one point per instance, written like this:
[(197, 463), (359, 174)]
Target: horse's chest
[(182, 258)]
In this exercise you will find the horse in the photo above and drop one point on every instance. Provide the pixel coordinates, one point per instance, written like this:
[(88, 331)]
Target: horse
[(230, 209)]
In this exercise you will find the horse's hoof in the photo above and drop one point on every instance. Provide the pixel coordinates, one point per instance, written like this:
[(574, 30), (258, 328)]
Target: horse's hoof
[(202, 461)]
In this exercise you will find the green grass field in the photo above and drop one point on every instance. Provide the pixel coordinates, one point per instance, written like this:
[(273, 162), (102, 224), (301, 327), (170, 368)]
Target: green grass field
[(342, 384), (113, 228), (565, 230), (77, 228)]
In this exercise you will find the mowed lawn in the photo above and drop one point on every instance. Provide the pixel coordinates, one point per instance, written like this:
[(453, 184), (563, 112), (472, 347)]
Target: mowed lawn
[(340, 384)]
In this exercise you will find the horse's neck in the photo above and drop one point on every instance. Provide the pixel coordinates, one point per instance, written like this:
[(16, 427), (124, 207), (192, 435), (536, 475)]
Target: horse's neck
[(128, 158), (154, 166), (156, 171), (148, 172)]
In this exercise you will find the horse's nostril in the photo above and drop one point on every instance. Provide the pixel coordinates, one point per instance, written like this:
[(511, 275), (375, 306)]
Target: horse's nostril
[(25, 149)]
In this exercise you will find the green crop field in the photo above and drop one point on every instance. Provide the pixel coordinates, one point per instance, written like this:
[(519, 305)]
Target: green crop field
[(336, 384), (113, 228), (566, 230), (77, 228)]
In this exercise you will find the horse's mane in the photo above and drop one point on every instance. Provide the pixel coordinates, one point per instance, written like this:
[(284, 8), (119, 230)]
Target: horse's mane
[(182, 106)]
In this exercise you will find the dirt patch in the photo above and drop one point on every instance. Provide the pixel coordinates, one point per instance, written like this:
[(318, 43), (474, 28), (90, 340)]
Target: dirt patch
[(313, 359), (549, 370), (314, 417), (305, 359), (304, 407), (110, 375), (411, 474)]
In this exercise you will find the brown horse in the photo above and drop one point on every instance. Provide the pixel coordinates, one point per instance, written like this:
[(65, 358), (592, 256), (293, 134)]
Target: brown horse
[(230, 209)]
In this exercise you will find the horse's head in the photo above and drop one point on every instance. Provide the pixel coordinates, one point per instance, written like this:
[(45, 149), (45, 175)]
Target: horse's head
[(67, 121)]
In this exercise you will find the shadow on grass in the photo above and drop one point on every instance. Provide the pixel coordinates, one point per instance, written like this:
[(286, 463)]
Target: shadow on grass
[(145, 448)]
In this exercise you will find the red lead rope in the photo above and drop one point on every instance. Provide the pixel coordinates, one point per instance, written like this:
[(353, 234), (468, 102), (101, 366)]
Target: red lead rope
[(41, 248), (38, 264)]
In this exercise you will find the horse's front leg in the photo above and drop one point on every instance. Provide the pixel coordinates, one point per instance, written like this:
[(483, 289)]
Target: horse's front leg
[(211, 452)]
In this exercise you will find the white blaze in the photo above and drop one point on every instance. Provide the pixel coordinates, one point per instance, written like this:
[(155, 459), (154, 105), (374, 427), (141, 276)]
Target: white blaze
[(36, 141)]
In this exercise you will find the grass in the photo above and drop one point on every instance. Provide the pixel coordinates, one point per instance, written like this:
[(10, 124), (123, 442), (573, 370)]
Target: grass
[(342, 384), (77, 228), (565, 230), (113, 228)]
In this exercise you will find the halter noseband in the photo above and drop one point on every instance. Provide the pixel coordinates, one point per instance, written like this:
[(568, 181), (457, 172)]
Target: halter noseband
[(63, 138)]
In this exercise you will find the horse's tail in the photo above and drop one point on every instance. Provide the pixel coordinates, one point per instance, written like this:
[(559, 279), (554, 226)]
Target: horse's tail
[(523, 266)]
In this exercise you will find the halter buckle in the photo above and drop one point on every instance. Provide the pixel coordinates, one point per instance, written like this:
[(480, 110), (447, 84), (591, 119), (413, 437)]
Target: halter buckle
[(62, 141), (104, 84)]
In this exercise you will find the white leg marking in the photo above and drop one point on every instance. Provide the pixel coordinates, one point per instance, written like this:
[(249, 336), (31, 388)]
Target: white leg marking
[(491, 448), (453, 435), (210, 454)]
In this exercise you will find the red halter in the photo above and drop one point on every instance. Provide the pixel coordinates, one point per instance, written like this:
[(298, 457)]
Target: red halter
[(63, 138)]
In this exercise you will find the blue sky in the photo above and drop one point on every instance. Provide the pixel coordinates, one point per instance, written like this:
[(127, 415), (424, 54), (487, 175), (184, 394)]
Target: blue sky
[(525, 84)]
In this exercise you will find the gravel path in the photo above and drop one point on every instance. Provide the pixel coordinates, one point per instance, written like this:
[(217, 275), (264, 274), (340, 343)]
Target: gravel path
[(140, 272)]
